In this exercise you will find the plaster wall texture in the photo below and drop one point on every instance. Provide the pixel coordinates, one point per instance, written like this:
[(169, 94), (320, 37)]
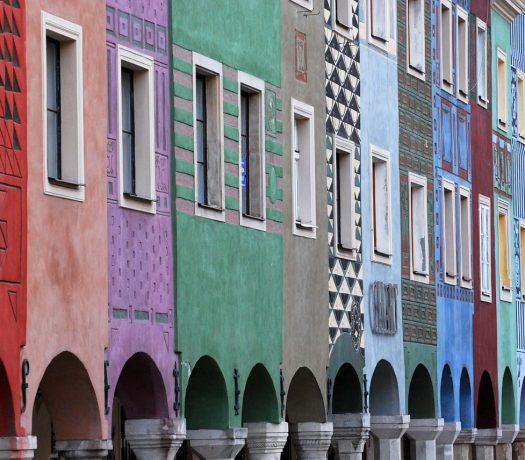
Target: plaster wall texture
[(67, 240), (305, 335), (228, 292), (140, 244)]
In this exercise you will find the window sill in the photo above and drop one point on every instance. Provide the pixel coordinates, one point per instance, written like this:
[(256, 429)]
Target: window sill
[(257, 223), (63, 189), (447, 86), (505, 293), (487, 298), (341, 30), (420, 277), (502, 125), (138, 198), (381, 258), (521, 138), (463, 97), (451, 279), (137, 203), (305, 230), (483, 102), (345, 253), (415, 72), (210, 212)]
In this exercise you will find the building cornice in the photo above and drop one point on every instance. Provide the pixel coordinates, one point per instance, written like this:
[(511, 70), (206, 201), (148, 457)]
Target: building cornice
[(509, 9)]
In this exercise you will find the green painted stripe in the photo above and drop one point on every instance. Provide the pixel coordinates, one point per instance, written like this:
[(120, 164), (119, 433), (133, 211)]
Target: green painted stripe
[(185, 142), (182, 66), (278, 169), (231, 156), (184, 166), (184, 116), (279, 104), (230, 85), (231, 180), (231, 132), (185, 193), (274, 147), (278, 194), (231, 109), (273, 214), (232, 203), (183, 92), (279, 126)]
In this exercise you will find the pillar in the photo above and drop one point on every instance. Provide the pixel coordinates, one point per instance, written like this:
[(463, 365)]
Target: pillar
[(17, 447), (351, 432), (463, 444), (217, 444), (88, 449), (266, 440), (486, 440), (518, 447), (387, 431), (504, 447), (445, 440), (155, 439), (423, 432), (311, 439)]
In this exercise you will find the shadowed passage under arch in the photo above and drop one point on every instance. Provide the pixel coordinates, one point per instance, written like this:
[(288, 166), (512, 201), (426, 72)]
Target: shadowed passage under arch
[(347, 396), (446, 393), (7, 415), (305, 400), (486, 413), (384, 393), (421, 394), (465, 400), (508, 411), (259, 402)]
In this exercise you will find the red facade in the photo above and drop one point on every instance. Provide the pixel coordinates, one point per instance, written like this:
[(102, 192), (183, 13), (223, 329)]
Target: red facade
[(13, 231)]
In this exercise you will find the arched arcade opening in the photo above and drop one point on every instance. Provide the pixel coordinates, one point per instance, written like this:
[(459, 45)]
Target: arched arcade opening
[(486, 409), (446, 394), (384, 393), (421, 394)]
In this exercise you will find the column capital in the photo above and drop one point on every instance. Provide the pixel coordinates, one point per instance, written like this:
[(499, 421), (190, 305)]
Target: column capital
[(425, 429), (17, 447), (266, 441), (351, 431), (508, 433), (449, 434), (311, 439), (155, 439), (467, 436), (487, 436), (87, 449), (217, 444), (389, 426)]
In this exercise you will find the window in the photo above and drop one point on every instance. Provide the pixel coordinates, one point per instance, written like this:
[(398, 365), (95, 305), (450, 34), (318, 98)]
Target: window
[(379, 20), (63, 108), (384, 308), (520, 104), (462, 26), (303, 178), (446, 45), (342, 12), (381, 208), (485, 248), (252, 187), (417, 204), (449, 232), (481, 62), (502, 89), (522, 258), (465, 237), (209, 182), (344, 195), (504, 251), (416, 35), (136, 143)]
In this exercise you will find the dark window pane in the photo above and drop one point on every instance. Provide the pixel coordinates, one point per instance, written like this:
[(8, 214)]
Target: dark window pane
[(54, 161)]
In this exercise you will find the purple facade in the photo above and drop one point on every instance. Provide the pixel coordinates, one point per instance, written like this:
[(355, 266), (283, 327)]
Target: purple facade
[(140, 355)]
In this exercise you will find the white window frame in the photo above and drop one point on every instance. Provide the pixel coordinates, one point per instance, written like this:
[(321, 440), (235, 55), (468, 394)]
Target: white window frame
[(451, 278), (136, 61), (462, 80), (505, 291), (484, 202), (307, 4), (347, 148), (206, 64), (304, 111), (66, 31), (374, 40), (501, 110), (520, 104), (446, 80), (257, 85), (483, 99), (381, 155), (419, 181), (465, 279), (411, 69), (522, 258), (344, 31)]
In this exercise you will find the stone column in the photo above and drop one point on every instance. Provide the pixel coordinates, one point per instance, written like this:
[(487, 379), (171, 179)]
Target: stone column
[(351, 432), (445, 440), (217, 444), (155, 439), (387, 430), (504, 447), (17, 447), (463, 444), (518, 447), (486, 440), (424, 432), (266, 440), (86, 449), (311, 439)]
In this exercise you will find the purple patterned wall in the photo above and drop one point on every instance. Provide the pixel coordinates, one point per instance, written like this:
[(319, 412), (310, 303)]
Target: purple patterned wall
[(140, 261)]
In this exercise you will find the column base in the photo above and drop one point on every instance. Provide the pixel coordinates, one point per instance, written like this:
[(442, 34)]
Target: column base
[(155, 439), (351, 432), (387, 431), (445, 440), (266, 441), (463, 445), (89, 449), (485, 441), (311, 439), (518, 447), (17, 447), (424, 432), (217, 444), (504, 447)]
